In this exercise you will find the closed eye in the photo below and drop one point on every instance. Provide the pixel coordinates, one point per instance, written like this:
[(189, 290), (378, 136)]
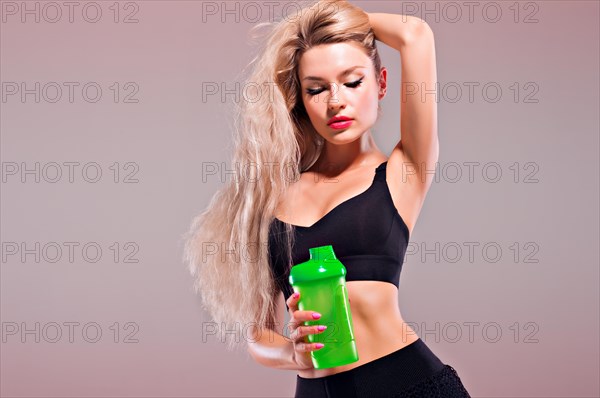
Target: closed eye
[(354, 84)]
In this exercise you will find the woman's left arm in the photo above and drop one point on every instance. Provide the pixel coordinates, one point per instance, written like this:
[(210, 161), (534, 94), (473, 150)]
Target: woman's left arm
[(413, 38)]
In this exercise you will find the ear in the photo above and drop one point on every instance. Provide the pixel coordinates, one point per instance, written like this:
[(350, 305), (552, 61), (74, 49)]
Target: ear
[(382, 83)]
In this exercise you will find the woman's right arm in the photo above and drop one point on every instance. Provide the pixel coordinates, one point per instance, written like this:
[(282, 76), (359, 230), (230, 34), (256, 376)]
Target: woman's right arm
[(271, 349)]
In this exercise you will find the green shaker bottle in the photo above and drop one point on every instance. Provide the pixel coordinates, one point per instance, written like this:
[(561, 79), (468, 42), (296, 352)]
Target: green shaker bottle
[(321, 282)]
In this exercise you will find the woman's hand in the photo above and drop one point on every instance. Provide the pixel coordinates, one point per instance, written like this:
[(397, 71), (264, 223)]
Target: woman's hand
[(302, 348), (396, 30), (370, 15)]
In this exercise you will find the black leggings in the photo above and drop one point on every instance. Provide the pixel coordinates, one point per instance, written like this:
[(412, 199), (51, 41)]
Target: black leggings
[(412, 371)]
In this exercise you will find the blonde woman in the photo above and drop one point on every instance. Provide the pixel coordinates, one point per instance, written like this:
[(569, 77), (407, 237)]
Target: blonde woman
[(321, 180)]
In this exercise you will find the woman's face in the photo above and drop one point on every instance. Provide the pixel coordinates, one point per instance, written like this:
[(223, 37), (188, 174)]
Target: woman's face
[(339, 80)]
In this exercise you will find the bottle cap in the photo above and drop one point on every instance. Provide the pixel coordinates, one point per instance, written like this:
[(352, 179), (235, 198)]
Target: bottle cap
[(322, 253), (322, 264)]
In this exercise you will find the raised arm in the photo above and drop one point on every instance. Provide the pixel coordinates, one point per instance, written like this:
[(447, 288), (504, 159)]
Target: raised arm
[(419, 145)]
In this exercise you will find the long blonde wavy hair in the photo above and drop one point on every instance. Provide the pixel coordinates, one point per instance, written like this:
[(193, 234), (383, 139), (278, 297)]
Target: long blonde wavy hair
[(274, 143)]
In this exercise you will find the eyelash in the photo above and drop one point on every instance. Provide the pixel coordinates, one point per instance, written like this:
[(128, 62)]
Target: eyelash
[(355, 84)]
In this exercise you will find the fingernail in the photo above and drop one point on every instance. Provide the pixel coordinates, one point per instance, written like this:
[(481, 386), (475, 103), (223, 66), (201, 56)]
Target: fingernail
[(316, 315), (321, 328), (296, 295), (319, 345)]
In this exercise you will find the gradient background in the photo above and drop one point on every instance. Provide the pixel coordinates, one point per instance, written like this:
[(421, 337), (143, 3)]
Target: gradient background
[(545, 302)]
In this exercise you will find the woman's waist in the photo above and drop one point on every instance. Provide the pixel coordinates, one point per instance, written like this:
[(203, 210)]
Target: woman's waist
[(374, 338)]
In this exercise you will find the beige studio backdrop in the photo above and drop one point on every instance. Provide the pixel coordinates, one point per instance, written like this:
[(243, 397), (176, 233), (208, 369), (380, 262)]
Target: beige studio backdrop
[(113, 113)]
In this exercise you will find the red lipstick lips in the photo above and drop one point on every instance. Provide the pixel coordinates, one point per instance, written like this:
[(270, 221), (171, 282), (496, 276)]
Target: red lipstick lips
[(338, 119), (339, 122)]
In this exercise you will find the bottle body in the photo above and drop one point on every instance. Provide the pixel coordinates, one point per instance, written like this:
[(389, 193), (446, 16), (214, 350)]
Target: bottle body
[(321, 283)]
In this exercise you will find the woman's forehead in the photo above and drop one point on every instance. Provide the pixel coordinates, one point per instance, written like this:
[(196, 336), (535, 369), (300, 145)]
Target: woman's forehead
[(332, 60)]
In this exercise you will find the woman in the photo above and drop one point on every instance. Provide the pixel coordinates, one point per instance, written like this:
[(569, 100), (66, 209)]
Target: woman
[(314, 128)]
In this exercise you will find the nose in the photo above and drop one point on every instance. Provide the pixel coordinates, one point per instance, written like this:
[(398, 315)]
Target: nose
[(336, 100)]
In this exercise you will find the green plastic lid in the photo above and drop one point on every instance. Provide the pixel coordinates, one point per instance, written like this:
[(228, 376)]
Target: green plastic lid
[(322, 253), (322, 264)]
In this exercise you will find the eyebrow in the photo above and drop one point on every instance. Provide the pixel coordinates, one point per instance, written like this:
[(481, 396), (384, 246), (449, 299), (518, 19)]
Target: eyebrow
[(344, 73)]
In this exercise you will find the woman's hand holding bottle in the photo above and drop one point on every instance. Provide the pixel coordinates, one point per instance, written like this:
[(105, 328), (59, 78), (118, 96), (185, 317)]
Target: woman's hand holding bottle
[(299, 331)]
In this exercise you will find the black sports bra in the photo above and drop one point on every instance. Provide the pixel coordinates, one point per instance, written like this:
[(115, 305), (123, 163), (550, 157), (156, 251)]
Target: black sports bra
[(366, 231)]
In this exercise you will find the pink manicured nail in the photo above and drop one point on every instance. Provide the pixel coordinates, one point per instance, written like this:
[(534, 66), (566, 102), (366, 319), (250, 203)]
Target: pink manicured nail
[(321, 328), (296, 295), (319, 345), (316, 315)]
